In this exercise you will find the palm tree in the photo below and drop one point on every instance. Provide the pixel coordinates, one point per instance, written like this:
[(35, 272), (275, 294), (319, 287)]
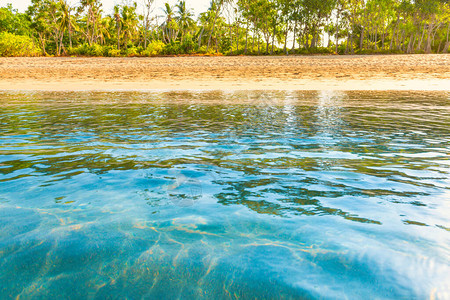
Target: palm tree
[(40, 22), (184, 17), (204, 20), (218, 5), (104, 29), (169, 26), (130, 21), (54, 14), (66, 20), (148, 7), (118, 20), (93, 18)]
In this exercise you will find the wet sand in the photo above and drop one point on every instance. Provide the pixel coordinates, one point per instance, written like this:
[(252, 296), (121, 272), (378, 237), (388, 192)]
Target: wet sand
[(375, 72)]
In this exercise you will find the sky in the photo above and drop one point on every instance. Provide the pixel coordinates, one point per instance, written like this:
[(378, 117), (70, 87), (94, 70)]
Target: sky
[(198, 5)]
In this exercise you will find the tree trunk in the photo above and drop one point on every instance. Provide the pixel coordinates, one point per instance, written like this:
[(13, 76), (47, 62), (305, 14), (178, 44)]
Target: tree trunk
[(411, 43), (56, 38), (403, 41), (200, 36), (145, 34), (61, 46), (273, 41), (295, 32), (253, 39), (346, 43), (419, 45), (87, 29), (447, 43), (329, 39), (434, 35), (217, 42), (352, 51), (237, 39), (391, 45), (337, 31), (212, 30), (42, 40), (361, 38), (118, 38), (70, 32), (246, 39), (231, 40), (428, 46), (399, 44), (446, 46), (363, 28), (259, 44), (369, 37), (376, 39), (313, 40)]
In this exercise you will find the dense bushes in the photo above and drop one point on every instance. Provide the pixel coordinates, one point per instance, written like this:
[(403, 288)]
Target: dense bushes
[(317, 50), (17, 45), (158, 48), (255, 28), (89, 50), (14, 22), (154, 48)]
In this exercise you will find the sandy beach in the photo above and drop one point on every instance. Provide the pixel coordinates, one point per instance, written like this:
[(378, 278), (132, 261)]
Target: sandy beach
[(376, 72)]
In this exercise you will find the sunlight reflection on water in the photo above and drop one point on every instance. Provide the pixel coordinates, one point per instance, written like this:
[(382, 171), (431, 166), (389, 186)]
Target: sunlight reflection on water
[(214, 194)]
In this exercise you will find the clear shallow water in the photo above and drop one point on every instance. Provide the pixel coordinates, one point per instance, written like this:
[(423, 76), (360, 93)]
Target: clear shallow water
[(225, 195)]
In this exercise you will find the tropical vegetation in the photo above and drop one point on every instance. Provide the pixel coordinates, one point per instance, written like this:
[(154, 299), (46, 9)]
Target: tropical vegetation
[(227, 27)]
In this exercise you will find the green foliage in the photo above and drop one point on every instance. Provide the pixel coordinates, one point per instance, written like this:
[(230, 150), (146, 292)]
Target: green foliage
[(380, 51), (204, 50), (188, 46), (154, 48), (17, 45), (132, 51), (248, 27), (13, 22), (96, 50), (317, 50), (173, 48), (341, 49), (225, 46), (111, 51), (89, 50)]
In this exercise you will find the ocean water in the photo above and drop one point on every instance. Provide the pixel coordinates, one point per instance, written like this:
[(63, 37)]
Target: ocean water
[(225, 195)]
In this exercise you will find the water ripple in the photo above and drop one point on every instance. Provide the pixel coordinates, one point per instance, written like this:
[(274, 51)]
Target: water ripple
[(214, 194)]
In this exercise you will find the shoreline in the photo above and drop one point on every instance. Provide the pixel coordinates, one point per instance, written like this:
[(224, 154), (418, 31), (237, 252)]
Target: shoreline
[(413, 72), (265, 85)]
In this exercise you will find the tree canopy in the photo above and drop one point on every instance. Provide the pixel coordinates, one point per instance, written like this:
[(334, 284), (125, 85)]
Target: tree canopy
[(232, 27)]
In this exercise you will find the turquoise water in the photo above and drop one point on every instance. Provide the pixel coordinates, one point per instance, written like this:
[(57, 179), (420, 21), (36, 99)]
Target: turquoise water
[(221, 195)]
